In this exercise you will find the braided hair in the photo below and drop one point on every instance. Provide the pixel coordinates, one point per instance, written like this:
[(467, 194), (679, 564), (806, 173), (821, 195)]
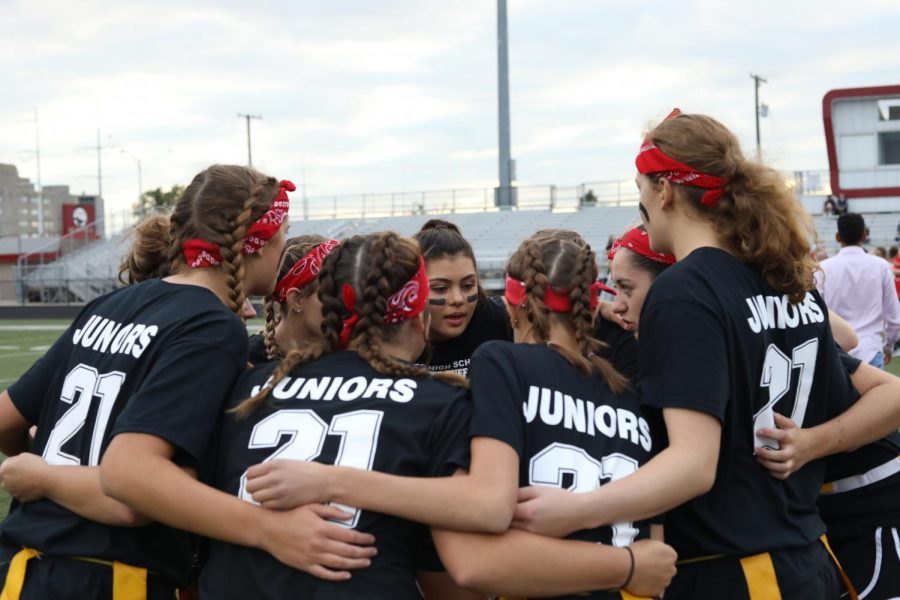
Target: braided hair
[(563, 261), (375, 266), (218, 206), (294, 250)]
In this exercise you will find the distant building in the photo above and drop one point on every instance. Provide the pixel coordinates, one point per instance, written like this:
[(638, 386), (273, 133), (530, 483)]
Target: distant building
[(862, 134), (19, 206)]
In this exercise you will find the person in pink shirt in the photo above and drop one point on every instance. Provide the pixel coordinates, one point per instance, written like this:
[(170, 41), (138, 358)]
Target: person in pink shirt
[(860, 288)]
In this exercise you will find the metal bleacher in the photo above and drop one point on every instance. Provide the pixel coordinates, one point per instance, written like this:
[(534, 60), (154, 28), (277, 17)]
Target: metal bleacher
[(493, 235), (82, 274)]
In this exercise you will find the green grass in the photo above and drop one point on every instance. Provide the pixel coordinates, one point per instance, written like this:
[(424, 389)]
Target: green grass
[(20, 348)]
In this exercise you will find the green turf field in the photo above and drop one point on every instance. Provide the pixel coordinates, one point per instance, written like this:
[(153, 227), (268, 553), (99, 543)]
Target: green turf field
[(21, 343)]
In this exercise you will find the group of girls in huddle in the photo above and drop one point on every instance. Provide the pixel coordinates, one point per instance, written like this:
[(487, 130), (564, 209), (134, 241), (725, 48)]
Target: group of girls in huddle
[(392, 409)]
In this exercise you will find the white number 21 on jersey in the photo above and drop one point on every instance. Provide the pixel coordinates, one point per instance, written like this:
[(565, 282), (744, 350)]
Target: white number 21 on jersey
[(776, 377), (306, 433), (548, 466), (81, 385)]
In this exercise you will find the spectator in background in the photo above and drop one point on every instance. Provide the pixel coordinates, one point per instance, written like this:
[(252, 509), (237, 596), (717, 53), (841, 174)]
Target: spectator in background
[(860, 288), (840, 204), (828, 208), (894, 259), (880, 252)]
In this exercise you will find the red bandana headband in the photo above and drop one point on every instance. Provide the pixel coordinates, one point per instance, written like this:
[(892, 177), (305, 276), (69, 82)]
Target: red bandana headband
[(409, 300), (651, 160), (637, 240), (200, 254), (304, 272), (557, 300), (404, 304)]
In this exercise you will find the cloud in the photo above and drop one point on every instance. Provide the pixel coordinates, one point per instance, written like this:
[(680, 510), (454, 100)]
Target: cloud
[(401, 94)]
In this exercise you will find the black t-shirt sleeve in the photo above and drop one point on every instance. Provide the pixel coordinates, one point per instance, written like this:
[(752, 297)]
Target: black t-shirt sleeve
[(840, 365), (182, 396), (28, 392), (850, 363), (448, 440), (683, 357), (496, 396), (621, 348), (500, 327), (256, 352)]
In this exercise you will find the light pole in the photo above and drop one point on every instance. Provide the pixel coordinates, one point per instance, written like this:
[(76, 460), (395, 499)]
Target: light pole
[(137, 163), (39, 188), (504, 192), (249, 153), (756, 81)]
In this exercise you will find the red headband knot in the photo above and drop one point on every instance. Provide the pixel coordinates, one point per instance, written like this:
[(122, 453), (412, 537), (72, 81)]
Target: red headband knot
[(637, 240), (304, 271), (200, 254), (557, 300), (651, 160), (409, 300)]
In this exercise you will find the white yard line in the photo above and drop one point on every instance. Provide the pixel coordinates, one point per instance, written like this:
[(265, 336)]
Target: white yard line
[(33, 327)]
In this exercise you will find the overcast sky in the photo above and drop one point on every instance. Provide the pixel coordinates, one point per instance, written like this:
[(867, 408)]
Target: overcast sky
[(400, 95)]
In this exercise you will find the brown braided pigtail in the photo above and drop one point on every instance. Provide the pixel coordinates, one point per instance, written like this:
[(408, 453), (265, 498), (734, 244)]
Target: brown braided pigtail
[(563, 260), (534, 274), (294, 250), (582, 319), (218, 206), (232, 258), (393, 261), (272, 349), (332, 322)]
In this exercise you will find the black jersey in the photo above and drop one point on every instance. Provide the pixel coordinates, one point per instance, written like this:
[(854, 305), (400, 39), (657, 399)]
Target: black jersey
[(621, 347), (863, 487), (569, 430), (489, 322), (256, 352), (339, 410), (155, 358), (715, 338)]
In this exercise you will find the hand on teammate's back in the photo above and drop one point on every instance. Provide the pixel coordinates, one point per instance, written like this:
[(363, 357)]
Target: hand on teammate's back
[(306, 538), (285, 484), (792, 452), (654, 567)]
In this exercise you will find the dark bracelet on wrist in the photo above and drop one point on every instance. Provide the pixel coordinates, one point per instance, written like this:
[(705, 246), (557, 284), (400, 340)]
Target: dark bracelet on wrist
[(630, 569)]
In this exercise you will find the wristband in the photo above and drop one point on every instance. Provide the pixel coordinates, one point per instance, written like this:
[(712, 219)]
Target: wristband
[(630, 569)]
